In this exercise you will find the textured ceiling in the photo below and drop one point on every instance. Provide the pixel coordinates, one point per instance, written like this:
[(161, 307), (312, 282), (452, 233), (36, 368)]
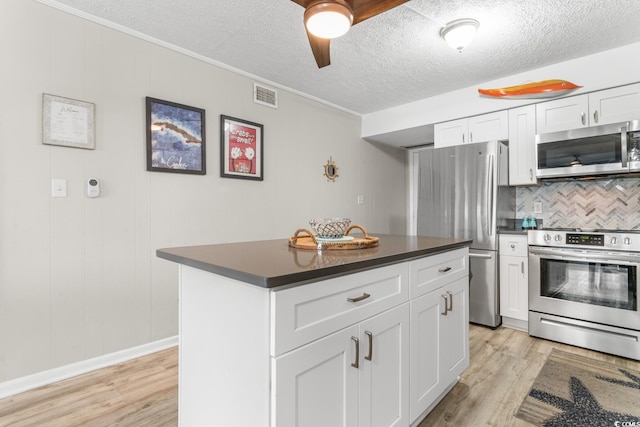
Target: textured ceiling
[(391, 59)]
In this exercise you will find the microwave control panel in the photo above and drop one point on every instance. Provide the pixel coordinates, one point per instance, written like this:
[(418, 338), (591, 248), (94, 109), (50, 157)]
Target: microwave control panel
[(585, 239)]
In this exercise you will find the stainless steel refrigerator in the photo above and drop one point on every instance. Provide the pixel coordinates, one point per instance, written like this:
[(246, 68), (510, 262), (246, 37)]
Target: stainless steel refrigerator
[(463, 192)]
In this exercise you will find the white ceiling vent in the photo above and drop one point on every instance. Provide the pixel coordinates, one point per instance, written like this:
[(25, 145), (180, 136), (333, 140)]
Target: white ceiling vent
[(265, 96)]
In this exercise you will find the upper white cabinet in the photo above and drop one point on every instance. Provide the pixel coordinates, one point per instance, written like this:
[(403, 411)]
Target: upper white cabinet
[(486, 127), (522, 145), (597, 108)]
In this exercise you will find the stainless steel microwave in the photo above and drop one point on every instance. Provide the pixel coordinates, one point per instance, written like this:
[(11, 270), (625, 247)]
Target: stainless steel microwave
[(596, 150)]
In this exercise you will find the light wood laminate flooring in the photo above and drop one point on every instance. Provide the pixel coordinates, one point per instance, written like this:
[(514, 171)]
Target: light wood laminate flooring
[(144, 391)]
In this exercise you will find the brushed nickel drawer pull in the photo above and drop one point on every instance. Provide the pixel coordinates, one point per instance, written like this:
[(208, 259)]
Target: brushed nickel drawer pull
[(369, 356), (446, 305), (450, 308), (360, 298), (356, 364), (444, 270)]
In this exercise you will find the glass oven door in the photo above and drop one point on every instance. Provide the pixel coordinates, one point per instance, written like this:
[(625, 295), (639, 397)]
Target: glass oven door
[(589, 285), (590, 282)]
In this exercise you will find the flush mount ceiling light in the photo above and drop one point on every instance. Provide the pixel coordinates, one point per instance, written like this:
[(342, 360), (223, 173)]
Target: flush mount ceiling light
[(328, 19), (459, 33)]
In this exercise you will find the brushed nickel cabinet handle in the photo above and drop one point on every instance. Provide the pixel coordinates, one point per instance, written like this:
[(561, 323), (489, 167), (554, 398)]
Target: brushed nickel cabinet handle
[(582, 118), (444, 270), (446, 305), (369, 356), (450, 308), (470, 136), (360, 298), (356, 364), (463, 138), (522, 267), (595, 116)]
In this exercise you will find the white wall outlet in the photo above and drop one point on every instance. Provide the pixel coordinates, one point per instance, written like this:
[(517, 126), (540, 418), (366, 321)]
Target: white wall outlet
[(537, 207), (58, 188), (360, 199)]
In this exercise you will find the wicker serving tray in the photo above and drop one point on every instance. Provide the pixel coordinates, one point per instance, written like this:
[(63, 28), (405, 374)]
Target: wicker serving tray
[(305, 239)]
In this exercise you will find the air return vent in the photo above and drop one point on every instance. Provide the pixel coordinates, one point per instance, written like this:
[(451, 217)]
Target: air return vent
[(265, 96)]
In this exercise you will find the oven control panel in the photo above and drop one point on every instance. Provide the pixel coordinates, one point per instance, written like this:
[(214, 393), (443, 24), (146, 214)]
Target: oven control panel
[(585, 239)]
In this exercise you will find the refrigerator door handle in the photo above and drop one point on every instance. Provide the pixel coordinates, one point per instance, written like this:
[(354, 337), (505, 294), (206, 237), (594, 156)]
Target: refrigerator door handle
[(492, 218)]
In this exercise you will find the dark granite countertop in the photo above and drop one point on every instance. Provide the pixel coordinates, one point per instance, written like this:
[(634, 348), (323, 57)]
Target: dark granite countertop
[(272, 263)]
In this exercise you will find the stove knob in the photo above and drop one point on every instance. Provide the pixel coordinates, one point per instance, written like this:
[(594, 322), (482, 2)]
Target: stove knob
[(614, 240), (627, 241), (557, 238), (547, 237)]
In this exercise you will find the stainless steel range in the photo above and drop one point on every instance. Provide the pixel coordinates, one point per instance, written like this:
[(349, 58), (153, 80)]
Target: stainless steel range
[(583, 288)]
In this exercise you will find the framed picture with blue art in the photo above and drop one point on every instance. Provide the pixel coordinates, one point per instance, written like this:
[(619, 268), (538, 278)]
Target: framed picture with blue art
[(175, 137)]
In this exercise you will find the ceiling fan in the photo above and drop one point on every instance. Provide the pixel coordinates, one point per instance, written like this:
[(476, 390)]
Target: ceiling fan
[(348, 13)]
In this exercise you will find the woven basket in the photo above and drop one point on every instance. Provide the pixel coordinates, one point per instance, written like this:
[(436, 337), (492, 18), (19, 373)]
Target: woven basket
[(330, 228)]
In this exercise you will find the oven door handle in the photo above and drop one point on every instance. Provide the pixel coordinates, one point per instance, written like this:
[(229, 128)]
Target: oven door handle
[(604, 257)]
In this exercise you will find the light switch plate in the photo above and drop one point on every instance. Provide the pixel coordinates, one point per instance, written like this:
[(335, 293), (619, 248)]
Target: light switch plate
[(58, 188)]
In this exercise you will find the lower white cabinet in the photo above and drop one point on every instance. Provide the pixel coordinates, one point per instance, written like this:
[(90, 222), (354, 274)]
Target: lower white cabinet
[(514, 280), (439, 343), (354, 350), (358, 376)]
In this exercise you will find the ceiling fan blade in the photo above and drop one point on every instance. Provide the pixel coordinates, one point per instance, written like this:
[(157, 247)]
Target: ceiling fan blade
[(320, 49), (365, 9)]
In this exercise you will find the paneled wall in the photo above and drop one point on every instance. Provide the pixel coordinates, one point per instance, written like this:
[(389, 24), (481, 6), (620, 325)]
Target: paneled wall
[(78, 276), (603, 203)]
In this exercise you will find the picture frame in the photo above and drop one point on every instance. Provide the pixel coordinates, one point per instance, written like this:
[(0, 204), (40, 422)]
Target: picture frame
[(68, 122), (176, 140), (241, 149)]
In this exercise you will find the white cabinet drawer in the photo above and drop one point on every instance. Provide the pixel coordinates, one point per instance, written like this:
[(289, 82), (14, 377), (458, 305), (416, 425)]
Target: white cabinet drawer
[(305, 313), (433, 272), (513, 245)]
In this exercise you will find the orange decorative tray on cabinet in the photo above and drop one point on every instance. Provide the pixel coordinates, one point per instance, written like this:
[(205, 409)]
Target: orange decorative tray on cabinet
[(304, 239)]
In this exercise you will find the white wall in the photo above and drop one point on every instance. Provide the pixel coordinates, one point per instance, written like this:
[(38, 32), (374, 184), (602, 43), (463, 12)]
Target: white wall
[(79, 277)]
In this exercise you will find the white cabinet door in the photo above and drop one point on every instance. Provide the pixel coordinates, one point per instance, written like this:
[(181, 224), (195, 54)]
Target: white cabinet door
[(522, 145), (615, 105), (562, 114), (439, 342), (455, 330), (489, 127), (482, 128), (514, 277), (316, 385), (451, 133), (426, 383), (384, 369), (513, 287)]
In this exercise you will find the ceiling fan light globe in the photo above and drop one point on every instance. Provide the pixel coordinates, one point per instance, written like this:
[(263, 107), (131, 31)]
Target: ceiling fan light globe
[(328, 19), (460, 33)]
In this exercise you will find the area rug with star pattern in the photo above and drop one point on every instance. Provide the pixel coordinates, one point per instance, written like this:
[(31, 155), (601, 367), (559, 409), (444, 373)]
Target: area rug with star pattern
[(573, 390)]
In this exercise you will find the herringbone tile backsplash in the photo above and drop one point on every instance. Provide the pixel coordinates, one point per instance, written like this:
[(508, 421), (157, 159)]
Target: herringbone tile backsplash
[(602, 203)]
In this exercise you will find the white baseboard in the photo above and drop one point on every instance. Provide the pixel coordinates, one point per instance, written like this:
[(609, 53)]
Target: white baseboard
[(19, 385)]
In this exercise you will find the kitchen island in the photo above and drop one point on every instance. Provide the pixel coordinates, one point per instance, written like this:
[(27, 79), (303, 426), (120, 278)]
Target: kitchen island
[(276, 336)]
